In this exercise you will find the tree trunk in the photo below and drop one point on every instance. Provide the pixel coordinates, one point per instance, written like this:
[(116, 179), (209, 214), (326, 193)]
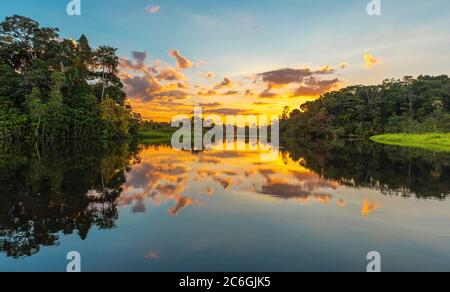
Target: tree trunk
[(37, 128)]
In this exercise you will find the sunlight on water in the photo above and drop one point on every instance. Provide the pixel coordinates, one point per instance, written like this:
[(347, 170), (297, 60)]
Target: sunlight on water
[(154, 208)]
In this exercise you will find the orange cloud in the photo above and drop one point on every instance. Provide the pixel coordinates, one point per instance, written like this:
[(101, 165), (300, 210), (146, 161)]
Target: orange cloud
[(370, 60), (368, 208), (182, 62), (171, 74), (231, 92), (209, 75), (341, 203), (327, 69), (267, 94), (226, 83), (207, 93), (289, 75), (315, 87)]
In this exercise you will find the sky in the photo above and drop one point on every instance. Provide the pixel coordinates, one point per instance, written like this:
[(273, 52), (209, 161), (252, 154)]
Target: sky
[(252, 56)]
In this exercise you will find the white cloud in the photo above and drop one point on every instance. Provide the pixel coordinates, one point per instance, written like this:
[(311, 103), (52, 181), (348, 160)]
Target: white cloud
[(152, 9)]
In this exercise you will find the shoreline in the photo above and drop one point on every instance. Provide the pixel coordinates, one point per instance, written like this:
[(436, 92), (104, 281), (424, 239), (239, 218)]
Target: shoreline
[(429, 141)]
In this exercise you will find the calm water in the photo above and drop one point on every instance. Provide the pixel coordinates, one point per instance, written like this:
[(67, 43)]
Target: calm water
[(137, 207)]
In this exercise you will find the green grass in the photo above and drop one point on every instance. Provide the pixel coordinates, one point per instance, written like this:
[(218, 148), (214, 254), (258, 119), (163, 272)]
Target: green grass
[(429, 141), (152, 136)]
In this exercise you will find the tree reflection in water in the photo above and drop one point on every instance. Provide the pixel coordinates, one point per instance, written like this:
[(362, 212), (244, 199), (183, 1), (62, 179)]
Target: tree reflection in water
[(50, 189), (392, 170)]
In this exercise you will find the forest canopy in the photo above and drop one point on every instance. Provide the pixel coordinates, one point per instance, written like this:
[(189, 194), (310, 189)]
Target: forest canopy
[(56, 88), (409, 105)]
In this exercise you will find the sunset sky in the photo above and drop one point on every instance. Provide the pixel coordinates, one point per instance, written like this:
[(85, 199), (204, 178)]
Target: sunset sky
[(252, 56)]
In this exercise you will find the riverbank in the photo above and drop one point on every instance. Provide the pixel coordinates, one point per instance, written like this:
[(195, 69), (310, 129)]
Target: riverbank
[(155, 136), (429, 141)]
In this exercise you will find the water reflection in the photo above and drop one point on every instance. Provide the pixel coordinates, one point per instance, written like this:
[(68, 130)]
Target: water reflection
[(392, 170), (48, 191), (165, 174)]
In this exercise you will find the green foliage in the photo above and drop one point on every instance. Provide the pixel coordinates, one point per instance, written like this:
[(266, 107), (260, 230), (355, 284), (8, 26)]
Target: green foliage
[(434, 141), (399, 106), (53, 88)]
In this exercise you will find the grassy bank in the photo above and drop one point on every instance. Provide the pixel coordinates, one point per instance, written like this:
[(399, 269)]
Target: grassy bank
[(431, 141), (155, 136)]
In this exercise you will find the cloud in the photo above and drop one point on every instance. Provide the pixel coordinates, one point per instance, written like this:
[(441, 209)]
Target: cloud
[(171, 74), (209, 75), (290, 191), (153, 9), (128, 65), (180, 204), (341, 203), (226, 111), (343, 65), (182, 62), (181, 85), (207, 93), (143, 87), (261, 103), (211, 104), (226, 83), (172, 94), (150, 83), (139, 57), (316, 87), (370, 60), (327, 69), (308, 81), (286, 76), (368, 208), (231, 92), (267, 94), (289, 75)]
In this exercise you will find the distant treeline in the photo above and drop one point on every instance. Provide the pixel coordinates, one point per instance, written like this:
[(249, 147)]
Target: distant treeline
[(408, 105), (54, 88), (156, 126)]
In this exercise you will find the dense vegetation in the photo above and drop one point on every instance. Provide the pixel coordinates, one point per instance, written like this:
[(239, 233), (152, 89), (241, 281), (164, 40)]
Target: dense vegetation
[(55, 88), (396, 106)]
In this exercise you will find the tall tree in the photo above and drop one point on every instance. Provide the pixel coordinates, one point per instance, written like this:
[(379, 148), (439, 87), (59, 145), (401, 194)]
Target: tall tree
[(107, 65), (22, 41)]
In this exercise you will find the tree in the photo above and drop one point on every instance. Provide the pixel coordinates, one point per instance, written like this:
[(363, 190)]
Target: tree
[(106, 62), (36, 109), (405, 105), (10, 90), (115, 117), (55, 107), (59, 88), (22, 41)]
